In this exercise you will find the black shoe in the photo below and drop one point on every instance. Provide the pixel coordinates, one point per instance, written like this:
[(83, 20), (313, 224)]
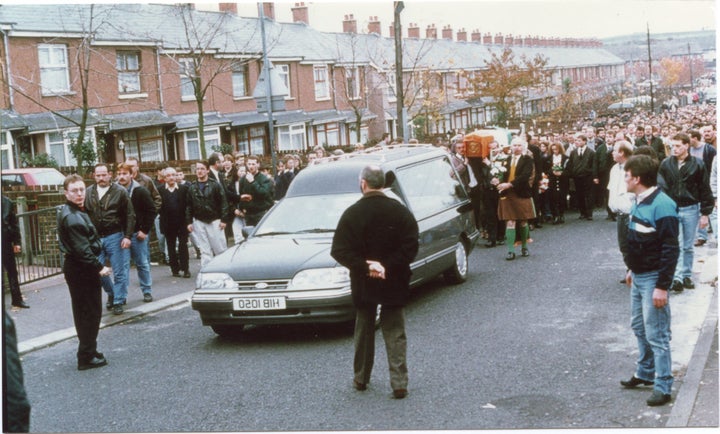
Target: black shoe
[(117, 309), (556, 221), (588, 218), (635, 382), (400, 393), (562, 220), (95, 362), (582, 217), (524, 252), (147, 297), (109, 304), (677, 286), (176, 274), (490, 244), (510, 256), (359, 386), (658, 398), (186, 274), (21, 304), (688, 283)]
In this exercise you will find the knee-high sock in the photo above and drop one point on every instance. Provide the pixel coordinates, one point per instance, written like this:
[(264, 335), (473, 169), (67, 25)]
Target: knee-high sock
[(524, 235), (510, 239)]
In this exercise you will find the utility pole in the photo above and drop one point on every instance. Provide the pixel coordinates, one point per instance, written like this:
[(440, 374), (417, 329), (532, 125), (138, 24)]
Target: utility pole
[(692, 80), (400, 95), (268, 90), (652, 97)]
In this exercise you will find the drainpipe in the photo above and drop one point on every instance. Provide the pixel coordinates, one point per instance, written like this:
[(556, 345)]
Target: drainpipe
[(159, 76), (7, 62)]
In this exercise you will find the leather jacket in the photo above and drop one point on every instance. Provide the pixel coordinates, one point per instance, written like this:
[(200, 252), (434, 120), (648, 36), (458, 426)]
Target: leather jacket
[(208, 205), (114, 213), (687, 185), (79, 240)]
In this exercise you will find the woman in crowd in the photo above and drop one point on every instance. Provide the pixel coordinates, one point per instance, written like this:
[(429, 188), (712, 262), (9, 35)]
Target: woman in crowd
[(557, 191)]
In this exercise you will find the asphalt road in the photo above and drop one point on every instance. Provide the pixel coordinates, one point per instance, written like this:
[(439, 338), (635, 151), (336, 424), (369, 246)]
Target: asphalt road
[(539, 342)]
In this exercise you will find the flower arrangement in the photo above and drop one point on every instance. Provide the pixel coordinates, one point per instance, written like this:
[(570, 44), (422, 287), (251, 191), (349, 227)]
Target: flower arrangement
[(497, 167), (557, 168)]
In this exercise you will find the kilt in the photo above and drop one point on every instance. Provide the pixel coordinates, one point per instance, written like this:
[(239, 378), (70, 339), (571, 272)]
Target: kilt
[(513, 207)]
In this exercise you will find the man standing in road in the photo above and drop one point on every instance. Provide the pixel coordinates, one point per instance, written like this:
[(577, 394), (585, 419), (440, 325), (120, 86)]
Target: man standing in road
[(619, 201), (207, 213), (81, 245), (144, 219), (112, 214), (687, 183), (172, 222), (652, 254), (377, 239), (10, 247), (580, 165), (151, 186), (256, 192)]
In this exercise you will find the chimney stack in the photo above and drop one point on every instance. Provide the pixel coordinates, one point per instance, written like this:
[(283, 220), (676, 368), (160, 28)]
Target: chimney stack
[(374, 25), (431, 32), (447, 32), (269, 10), (499, 39), (413, 31), (300, 13), (462, 35), (230, 8), (487, 39), (509, 40), (349, 24)]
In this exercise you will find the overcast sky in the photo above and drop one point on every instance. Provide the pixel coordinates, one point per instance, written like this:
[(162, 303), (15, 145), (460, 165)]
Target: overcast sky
[(562, 18)]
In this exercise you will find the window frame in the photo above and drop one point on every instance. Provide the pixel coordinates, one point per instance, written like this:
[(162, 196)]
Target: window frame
[(286, 133), (51, 67), (138, 141), (284, 73), (211, 134), (352, 82), (321, 80), (187, 74), (127, 71), (240, 69)]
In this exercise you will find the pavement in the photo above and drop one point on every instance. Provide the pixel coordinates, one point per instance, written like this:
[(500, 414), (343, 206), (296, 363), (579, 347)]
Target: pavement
[(695, 330)]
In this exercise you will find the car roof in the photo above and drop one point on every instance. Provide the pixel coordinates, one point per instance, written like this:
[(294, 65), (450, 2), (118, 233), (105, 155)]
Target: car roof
[(29, 170), (336, 176)]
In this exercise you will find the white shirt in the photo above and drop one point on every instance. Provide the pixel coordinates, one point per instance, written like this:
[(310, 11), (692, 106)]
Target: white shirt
[(619, 200), (102, 190)]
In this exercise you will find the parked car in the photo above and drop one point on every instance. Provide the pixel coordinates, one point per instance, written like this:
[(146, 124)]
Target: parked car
[(32, 176), (283, 272)]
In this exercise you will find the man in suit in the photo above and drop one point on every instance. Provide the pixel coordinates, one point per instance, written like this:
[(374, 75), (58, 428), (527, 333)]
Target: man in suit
[(580, 166), (172, 223), (602, 162), (216, 172), (377, 239), (648, 139)]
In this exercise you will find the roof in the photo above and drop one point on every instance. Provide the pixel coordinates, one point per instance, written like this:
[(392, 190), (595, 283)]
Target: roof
[(9, 120), (133, 120), (48, 121)]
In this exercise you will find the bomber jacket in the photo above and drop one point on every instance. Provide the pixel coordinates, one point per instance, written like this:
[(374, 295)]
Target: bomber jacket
[(78, 237), (144, 207), (687, 185), (208, 205), (652, 238), (262, 192), (114, 213)]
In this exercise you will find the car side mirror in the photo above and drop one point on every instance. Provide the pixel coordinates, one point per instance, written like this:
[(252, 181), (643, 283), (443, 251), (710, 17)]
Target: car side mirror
[(247, 230)]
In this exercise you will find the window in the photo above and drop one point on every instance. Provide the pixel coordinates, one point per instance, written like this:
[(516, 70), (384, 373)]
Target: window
[(145, 144), (291, 137), (54, 76), (322, 86), (251, 140), (128, 67), (284, 73), (192, 143), (431, 187), (352, 83), (328, 135), (392, 95), (57, 145), (187, 73), (239, 81), (6, 150)]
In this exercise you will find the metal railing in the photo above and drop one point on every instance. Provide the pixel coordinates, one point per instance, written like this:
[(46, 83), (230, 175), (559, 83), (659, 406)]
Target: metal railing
[(40, 256)]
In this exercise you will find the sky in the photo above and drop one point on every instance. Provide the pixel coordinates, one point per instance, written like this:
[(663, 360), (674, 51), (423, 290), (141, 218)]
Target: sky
[(556, 18)]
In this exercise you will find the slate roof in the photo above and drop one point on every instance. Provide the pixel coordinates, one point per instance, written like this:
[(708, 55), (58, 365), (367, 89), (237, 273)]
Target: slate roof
[(48, 121), (9, 120), (133, 120)]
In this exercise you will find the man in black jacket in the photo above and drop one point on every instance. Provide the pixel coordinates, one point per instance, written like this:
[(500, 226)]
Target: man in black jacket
[(172, 222), (377, 239), (81, 245), (256, 192), (580, 166), (112, 214), (648, 139), (144, 220), (207, 213), (687, 183), (11, 247)]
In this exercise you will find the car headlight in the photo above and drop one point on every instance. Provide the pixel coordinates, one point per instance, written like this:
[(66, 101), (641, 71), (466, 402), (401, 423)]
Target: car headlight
[(214, 281), (321, 278)]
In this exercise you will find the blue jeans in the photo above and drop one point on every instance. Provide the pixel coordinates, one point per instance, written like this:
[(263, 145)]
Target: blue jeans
[(160, 238), (688, 217), (140, 251), (652, 330), (120, 262)]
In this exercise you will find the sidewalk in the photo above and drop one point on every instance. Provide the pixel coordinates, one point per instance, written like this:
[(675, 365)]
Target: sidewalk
[(695, 339)]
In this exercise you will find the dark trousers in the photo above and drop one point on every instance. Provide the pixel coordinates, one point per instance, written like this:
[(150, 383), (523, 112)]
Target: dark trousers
[(177, 238), (476, 199), (557, 196), (392, 323), (9, 266), (491, 222), (86, 298), (583, 193), (622, 230)]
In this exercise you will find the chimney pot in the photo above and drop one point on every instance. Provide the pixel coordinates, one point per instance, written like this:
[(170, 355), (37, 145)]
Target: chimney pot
[(300, 13), (269, 10), (374, 25), (349, 25), (413, 31), (462, 35)]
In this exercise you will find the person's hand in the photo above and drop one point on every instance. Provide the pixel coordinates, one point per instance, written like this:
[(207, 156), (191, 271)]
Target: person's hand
[(704, 221), (596, 181), (105, 271), (221, 225), (249, 177), (17, 249), (246, 197), (189, 228), (376, 270), (628, 278), (141, 235), (660, 298), (125, 243)]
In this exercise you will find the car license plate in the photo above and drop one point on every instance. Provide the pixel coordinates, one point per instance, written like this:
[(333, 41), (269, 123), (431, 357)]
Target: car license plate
[(259, 303)]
